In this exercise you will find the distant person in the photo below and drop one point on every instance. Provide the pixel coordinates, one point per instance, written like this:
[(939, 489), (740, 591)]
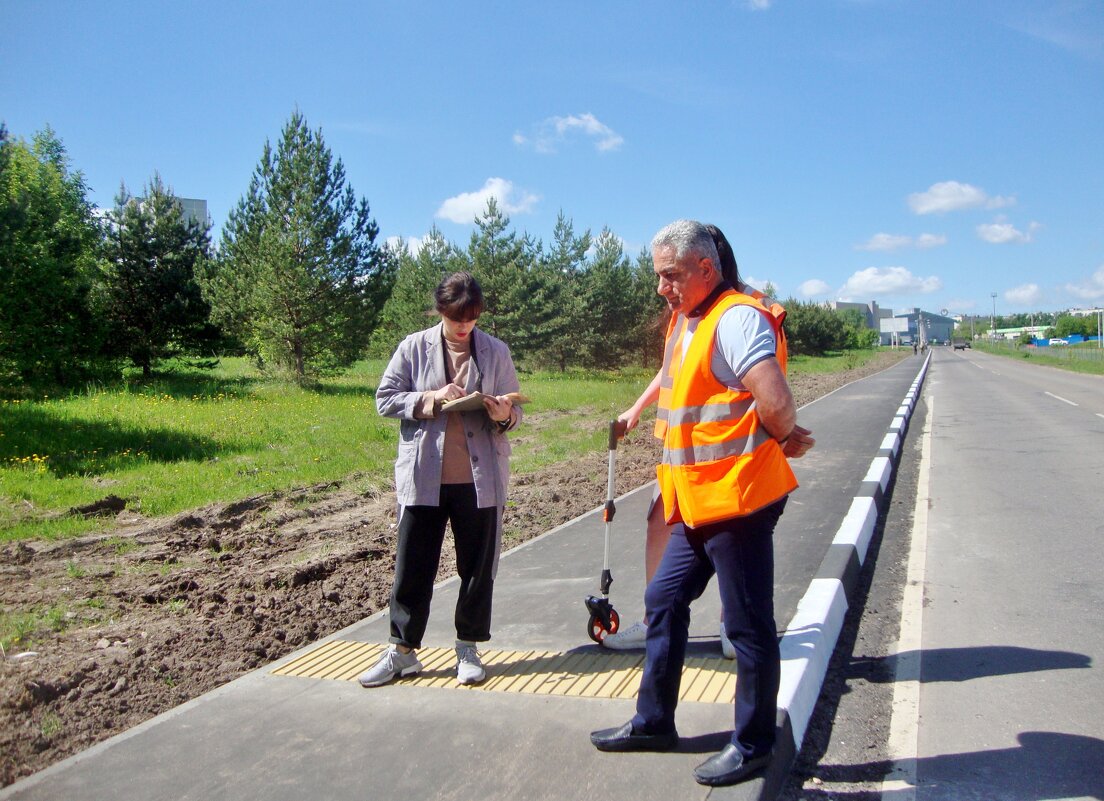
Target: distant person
[(914, 348), (452, 468), (658, 530), (724, 481)]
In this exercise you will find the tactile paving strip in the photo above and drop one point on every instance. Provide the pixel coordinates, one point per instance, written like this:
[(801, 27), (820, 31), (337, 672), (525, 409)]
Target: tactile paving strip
[(583, 674)]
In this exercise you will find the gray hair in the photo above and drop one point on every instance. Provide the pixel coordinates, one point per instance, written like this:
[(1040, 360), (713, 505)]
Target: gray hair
[(688, 237)]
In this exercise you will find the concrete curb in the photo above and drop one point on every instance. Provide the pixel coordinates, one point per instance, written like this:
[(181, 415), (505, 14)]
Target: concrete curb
[(812, 634)]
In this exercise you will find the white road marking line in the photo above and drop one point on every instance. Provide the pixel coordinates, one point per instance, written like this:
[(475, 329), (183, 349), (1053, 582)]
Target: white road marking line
[(1098, 414), (1059, 397), (904, 728)]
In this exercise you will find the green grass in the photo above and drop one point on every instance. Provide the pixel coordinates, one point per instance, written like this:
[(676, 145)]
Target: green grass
[(188, 438), (21, 627), (1091, 366), (831, 362)]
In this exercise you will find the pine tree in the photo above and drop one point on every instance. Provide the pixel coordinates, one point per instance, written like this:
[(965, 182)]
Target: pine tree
[(564, 267), (497, 258), (650, 315), (153, 303), (410, 307), (608, 301), (300, 278)]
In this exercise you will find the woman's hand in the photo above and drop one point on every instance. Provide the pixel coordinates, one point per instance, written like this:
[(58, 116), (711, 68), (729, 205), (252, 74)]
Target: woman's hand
[(498, 408), (630, 418), (448, 393)]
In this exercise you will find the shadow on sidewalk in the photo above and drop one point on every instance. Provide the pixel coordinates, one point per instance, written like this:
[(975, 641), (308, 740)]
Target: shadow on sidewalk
[(1045, 765)]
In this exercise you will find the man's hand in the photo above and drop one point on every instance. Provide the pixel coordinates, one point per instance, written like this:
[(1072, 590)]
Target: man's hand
[(798, 443)]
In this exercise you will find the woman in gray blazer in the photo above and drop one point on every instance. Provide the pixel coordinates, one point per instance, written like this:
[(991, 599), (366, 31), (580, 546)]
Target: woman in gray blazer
[(451, 467)]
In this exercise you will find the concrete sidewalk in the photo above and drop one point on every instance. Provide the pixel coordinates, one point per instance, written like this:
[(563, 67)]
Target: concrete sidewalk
[(271, 735)]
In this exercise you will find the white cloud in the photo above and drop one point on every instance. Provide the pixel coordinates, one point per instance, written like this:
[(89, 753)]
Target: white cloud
[(1093, 289), (889, 242), (759, 5), (812, 288), (1024, 295), (413, 243), (954, 196), (760, 284), (885, 242), (466, 206), (1074, 27), (926, 241), (552, 132), (1001, 232), (874, 281)]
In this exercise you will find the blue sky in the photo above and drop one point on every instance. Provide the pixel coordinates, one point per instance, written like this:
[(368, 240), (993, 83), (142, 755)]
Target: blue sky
[(913, 152)]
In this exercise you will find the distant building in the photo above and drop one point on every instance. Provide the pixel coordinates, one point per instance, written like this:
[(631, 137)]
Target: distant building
[(195, 209), (926, 327), (1084, 312), (872, 314)]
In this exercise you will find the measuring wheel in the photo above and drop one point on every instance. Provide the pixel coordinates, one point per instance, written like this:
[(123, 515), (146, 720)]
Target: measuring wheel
[(597, 627)]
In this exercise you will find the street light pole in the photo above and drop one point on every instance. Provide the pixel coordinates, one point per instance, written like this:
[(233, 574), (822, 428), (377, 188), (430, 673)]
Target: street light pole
[(993, 317)]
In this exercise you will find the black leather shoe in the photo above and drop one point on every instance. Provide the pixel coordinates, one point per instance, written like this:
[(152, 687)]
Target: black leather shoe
[(728, 767), (623, 738)]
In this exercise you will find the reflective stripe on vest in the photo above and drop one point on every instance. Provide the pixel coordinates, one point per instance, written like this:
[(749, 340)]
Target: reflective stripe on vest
[(673, 344), (718, 461)]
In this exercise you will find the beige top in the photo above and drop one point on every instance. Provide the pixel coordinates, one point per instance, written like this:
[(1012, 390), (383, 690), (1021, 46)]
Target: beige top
[(456, 461)]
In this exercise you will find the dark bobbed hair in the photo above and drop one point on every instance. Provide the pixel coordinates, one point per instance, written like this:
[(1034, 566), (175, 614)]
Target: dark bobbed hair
[(459, 297), (729, 270)]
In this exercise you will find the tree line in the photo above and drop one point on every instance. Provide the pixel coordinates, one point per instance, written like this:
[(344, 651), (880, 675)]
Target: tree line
[(1058, 324), (298, 279)]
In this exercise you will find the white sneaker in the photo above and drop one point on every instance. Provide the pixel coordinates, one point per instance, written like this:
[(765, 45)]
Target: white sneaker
[(728, 650), (626, 639), (393, 663), (469, 668)]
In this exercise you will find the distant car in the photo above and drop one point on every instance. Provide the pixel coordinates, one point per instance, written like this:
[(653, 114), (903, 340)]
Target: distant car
[(1056, 341), (961, 344)]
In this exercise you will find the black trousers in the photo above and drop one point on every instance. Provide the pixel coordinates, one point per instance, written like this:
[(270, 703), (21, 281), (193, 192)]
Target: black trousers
[(740, 551), (421, 534)]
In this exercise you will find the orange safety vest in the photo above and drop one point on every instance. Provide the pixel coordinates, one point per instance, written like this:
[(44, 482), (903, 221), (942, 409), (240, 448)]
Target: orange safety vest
[(674, 345), (718, 460)]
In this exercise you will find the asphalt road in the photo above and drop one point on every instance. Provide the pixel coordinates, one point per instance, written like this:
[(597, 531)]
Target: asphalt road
[(975, 667)]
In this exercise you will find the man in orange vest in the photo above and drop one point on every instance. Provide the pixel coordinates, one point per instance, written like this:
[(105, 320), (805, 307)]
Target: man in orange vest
[(724, 480)]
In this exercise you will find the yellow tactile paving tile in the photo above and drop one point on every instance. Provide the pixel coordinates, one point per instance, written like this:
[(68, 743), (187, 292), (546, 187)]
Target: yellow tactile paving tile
[(582, 674)]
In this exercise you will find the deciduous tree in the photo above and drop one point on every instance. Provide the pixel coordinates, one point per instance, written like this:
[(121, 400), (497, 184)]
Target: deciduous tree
[(49, 330)]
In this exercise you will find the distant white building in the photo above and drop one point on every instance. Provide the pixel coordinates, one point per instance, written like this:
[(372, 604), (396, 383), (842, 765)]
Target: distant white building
[(195, 209), (871, 312)]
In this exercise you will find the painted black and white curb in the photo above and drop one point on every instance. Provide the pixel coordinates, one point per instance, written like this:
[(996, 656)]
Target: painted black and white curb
[(811, 635)]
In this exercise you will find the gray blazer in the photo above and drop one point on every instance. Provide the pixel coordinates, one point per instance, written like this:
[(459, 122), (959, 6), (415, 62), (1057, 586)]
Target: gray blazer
[(418, 366)]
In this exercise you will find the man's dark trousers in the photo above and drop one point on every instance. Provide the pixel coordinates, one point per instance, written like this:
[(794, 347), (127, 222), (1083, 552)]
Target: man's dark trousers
[(740, 551)]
